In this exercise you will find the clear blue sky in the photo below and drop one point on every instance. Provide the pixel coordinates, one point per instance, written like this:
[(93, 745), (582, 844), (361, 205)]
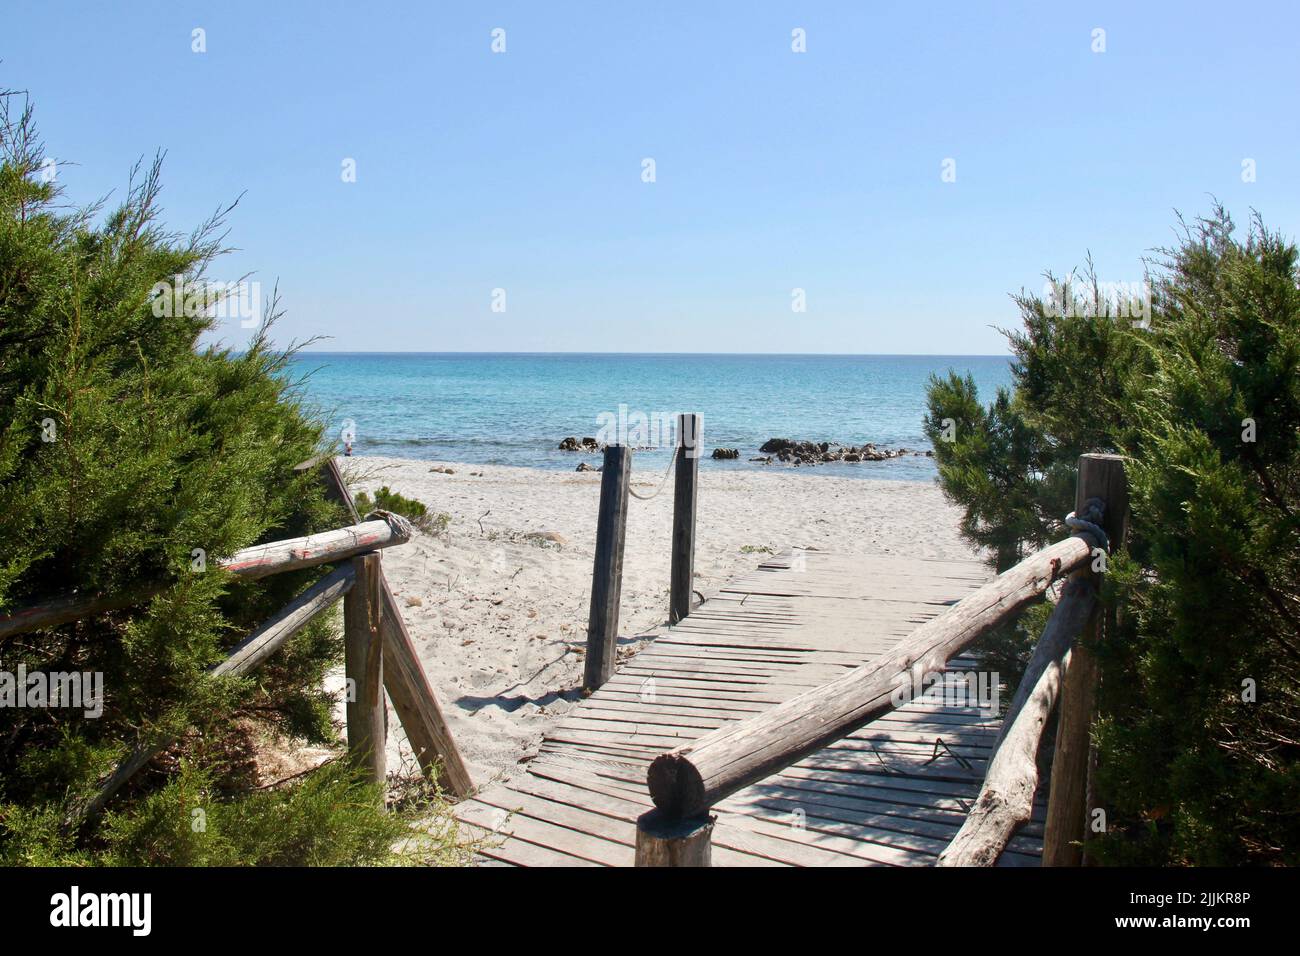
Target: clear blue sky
[(774, 170)]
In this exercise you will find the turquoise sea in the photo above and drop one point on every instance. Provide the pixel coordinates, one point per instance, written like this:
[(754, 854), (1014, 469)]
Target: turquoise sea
[(513, 408)]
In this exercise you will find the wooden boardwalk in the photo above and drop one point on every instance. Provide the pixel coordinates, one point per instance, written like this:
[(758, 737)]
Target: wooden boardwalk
[(892, 793)]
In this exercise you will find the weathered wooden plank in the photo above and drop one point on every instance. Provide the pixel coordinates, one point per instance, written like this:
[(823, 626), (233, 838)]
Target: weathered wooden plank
[(616, 838), (624, 807), (731, 824)]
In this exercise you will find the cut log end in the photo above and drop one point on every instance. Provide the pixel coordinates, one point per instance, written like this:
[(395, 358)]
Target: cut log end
[(664, 841), (676, 786)]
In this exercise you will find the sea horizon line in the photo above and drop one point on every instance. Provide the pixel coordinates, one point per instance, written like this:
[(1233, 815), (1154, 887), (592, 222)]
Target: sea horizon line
[(666, 354)]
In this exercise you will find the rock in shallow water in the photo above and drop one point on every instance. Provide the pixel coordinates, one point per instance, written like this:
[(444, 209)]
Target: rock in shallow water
[(573, 444), (793, 452)]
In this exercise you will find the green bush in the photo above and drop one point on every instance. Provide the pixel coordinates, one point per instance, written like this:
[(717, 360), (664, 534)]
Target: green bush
[(388, 500), (1206, 402), (130, 456)]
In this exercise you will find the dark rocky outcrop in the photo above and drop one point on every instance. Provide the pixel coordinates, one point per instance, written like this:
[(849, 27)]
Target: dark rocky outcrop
[(726, 453), (793, 452), (573, 444)]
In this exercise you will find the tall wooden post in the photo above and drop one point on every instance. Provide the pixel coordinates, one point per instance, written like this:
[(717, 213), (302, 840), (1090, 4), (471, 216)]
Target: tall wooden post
[(664, 841), (407, 684), (364, 668), (607, 572), (684, 497), (1100, 476)]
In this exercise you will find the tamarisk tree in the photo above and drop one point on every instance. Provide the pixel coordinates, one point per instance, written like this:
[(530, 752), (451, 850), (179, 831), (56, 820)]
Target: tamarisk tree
[(1198, 731), (130, 457)]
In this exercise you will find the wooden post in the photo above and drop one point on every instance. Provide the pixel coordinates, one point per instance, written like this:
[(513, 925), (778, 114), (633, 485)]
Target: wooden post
[(404, 678), (662, 841), (364, 667), (684, 495), (1100, 476), (607, 573)]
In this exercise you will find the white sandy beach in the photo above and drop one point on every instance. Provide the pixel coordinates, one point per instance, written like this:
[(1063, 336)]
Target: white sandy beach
[(499, 618)]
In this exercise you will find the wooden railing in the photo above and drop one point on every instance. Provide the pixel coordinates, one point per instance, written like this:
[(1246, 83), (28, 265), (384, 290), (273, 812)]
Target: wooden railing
[(687, 782), (378, 652), (407, 685)]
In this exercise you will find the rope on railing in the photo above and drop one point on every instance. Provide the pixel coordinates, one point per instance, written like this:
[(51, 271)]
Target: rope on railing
[(401, 525), (663, 482), (1094, 512)]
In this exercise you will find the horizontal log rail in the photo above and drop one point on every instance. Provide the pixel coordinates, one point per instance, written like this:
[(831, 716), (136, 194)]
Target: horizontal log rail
[(323, 548), (71, 607), (687, 781), (258, 561), (251, 652), (1006, 798)]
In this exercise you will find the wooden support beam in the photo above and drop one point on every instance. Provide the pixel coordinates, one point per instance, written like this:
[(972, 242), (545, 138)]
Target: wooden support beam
[(417, 705), (687, 781), (665, 841), (364, 667), (251, 652), (1006, 798), (607, 570), (404, 678), (1104, 477), (291, 619), (685, 483)]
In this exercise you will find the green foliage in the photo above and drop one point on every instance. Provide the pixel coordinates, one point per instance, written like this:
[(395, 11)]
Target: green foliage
[(388, 500), (1206, 402), (124, 447), (329, 817), (326, 819), (996, 463)]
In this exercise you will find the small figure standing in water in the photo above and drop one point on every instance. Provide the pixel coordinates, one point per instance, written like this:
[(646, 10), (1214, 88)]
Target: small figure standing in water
[(349, 434)]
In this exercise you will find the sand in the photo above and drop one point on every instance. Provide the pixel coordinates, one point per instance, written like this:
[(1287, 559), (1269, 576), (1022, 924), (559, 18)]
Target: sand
[(497, 605)]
